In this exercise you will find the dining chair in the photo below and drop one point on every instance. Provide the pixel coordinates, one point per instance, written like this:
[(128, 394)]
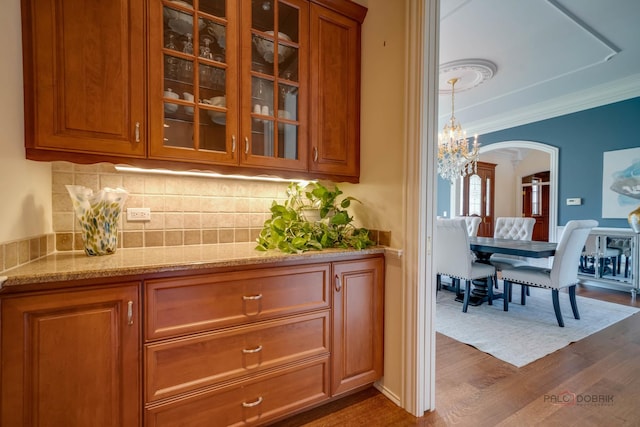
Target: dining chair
[(514, 228), (563, 273), (454, 258), (472, 223)]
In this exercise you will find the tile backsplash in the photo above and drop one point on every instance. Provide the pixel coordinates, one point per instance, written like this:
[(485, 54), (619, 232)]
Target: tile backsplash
[(184, 210)]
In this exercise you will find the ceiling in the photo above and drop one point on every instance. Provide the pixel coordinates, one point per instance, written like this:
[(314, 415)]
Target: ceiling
[(551, 57)]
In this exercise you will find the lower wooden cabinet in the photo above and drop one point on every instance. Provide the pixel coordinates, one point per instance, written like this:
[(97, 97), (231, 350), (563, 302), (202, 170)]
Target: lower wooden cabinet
[(71, 358), (357, 324), (238, 348)]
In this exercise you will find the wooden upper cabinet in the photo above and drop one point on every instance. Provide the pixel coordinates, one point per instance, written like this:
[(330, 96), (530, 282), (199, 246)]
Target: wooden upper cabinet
[(84, 68), (193, 81), (274, 86), (234, 86), (335, 91)]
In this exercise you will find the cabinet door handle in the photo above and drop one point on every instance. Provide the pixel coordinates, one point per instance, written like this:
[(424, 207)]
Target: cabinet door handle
[(338, 284), (130, 313), (233, 144), (252, 404), (137, 131), (252, 297), (252, 350), (246, 145), (315, 154)]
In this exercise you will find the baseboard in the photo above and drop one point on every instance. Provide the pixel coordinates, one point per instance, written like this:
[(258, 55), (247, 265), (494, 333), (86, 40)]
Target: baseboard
[(388, 393)]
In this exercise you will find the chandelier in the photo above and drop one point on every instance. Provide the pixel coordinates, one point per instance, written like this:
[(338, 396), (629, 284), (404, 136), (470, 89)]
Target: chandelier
[(454, 158)]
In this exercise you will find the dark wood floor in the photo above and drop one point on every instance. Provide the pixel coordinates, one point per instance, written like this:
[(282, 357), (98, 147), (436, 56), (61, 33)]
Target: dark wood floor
[(598, 376)]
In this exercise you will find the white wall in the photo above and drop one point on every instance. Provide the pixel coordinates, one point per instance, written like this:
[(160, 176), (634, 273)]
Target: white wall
[(382, 157), (25, 186)]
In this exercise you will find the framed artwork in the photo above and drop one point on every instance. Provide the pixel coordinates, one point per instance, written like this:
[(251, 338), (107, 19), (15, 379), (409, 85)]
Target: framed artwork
[(620, 182)]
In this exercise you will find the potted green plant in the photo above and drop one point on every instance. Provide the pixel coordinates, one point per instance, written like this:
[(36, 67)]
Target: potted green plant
[(293, 228)]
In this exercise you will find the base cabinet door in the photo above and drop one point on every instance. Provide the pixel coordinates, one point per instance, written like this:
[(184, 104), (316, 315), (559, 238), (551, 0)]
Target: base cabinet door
[(357, 328), (71, 358)]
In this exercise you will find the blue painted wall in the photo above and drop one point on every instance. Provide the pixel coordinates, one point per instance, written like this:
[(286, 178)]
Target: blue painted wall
[(581, 138)]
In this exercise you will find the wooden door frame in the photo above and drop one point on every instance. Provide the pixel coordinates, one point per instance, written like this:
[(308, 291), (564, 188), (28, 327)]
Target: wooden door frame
[(553, 153)]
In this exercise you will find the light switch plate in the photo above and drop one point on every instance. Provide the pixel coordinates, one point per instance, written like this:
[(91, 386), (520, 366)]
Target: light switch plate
[(574, 201)]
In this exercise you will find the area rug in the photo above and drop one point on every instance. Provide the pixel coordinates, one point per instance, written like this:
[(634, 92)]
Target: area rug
[(524, 333)]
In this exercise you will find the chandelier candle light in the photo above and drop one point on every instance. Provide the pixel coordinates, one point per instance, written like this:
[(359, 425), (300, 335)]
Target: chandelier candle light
[(454, 158)]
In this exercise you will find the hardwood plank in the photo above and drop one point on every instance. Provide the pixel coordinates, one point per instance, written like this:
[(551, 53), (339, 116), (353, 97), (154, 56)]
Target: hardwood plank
[(475, 389)]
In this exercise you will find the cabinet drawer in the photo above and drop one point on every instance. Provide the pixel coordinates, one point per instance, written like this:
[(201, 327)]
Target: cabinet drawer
[(183, 365), (200, 303), (248, 403)]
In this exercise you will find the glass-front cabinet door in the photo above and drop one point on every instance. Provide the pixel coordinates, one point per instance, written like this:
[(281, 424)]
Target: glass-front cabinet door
[(194, 80), (275, 66)]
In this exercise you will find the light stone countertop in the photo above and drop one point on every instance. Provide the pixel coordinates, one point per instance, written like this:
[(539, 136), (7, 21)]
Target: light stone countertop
[(64, 266)]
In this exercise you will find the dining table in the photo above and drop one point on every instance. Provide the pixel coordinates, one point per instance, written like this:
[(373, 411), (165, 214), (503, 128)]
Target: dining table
[(484, 247)]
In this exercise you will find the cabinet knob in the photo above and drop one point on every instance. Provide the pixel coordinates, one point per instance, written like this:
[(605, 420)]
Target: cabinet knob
[(137, 131)]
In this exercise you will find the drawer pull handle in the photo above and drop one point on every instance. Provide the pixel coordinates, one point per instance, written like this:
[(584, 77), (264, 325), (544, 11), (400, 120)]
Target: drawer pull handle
[(246, 145), (315, 154), (130, 313), (252, 404), (338, 284), (252, 350), (252, 297), (233, 144)]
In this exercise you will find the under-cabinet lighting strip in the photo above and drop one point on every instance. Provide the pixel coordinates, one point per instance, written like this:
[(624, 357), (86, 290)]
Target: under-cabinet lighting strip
[(203, 174)]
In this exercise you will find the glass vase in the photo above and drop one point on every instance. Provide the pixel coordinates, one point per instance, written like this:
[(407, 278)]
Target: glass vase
[(98, 215)]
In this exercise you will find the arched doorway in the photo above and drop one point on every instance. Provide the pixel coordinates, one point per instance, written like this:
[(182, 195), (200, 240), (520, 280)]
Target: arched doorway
[(551, 151)]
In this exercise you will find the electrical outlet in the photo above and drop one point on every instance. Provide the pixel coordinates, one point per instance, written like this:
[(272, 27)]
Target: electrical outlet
[(138, 214)]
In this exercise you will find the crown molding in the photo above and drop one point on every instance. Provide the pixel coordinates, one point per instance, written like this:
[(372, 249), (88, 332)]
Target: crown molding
[(608, 93)]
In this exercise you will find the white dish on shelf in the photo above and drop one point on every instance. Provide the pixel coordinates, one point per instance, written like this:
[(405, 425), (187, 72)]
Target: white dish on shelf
[(217, 117), (265, 47)]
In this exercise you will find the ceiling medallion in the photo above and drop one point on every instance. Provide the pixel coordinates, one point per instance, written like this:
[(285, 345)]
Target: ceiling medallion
[(469, 72)]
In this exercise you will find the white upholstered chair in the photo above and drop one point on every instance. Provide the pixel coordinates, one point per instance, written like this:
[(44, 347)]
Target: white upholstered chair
[(454, 258), (514, 228), (472, 223), (563, 273)]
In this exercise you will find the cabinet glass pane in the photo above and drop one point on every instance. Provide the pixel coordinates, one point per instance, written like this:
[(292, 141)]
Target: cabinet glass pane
[(216, 33), (262, 96), (287, 141), (178, 21), (288, 22), (262, 138), (288, 102), (262, 12), (212, 130), (213, 7), (177, 133)]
